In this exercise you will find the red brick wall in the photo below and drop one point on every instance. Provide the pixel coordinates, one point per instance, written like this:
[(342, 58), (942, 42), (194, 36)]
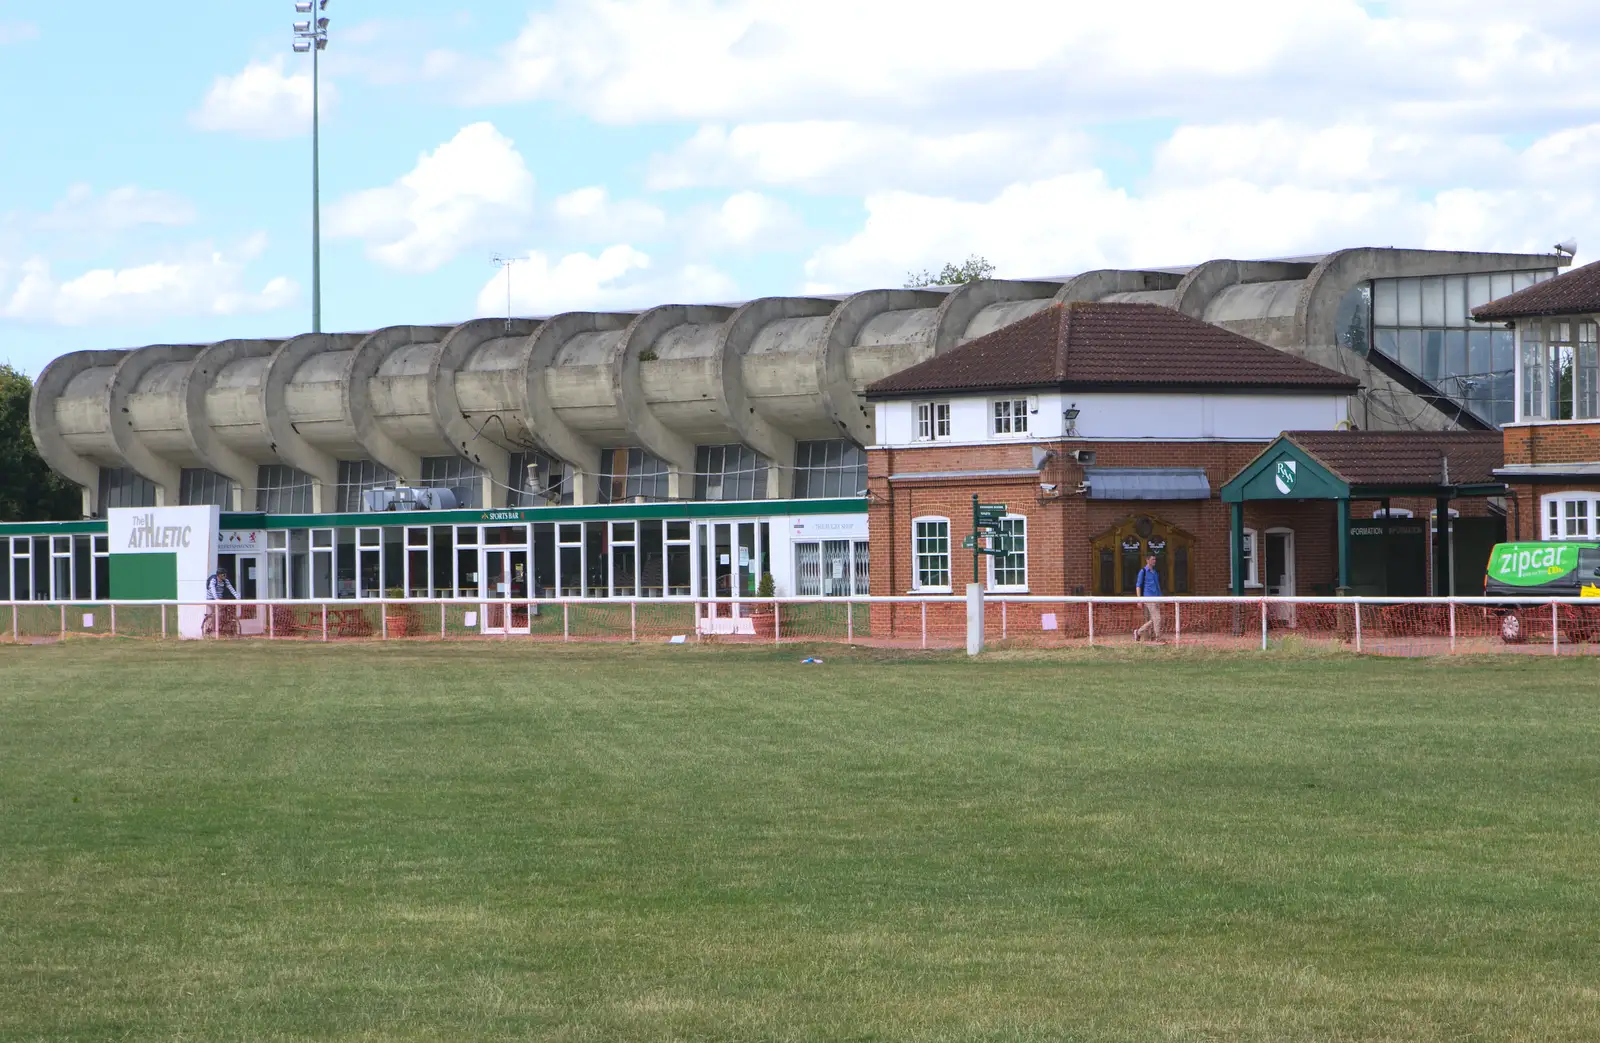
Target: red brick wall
[(1563, 443), (1061, 528)]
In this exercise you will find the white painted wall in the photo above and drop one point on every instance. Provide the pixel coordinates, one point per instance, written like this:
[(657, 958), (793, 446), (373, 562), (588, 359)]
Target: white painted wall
[(1126, 417)]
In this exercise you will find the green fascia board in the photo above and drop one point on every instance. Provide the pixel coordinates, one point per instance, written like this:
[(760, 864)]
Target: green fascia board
[(1259, 478), (1385, 492), (84, 526), (676, 510)]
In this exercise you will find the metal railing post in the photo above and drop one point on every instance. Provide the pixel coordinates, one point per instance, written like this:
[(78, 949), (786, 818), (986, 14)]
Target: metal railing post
[(63, 621), (442, 609), (1358, 627), (850, 621), (633, 621), (16, 627), (924, 624), (1091, 622), (163, 622), (324, 621), (383, 610), (1004, 633), (1263, 624), (272, 621), (1452, 628), (1177, 623), (113, 610), (566, 621), (1555, 628), (777, 623)]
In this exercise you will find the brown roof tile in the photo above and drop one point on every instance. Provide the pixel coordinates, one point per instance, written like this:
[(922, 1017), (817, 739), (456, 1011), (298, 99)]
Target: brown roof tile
[(1401, 458), (1569, 293), (1111, 345)]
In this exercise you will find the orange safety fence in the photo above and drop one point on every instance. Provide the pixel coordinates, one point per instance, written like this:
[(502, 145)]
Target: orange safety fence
[(1406, 627)]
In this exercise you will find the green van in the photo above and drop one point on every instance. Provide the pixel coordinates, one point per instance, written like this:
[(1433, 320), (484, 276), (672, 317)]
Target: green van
[(1545, 570)]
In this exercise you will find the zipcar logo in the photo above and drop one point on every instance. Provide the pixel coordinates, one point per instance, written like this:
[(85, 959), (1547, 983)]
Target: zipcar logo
[(1284, 477), (147, 535)]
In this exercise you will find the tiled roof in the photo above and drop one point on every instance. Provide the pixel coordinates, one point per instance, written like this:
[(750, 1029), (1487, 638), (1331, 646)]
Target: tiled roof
[(1569, 293), (1400, 458), (1087, 346)]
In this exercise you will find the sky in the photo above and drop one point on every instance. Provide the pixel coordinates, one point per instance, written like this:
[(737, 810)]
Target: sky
[(156, 177)]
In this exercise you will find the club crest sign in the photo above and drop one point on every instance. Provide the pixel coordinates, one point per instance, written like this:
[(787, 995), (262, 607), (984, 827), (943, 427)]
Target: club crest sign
[(1283, 476)]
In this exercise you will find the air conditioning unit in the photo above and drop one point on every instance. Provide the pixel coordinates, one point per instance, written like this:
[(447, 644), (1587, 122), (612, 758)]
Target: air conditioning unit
[(437, 499)]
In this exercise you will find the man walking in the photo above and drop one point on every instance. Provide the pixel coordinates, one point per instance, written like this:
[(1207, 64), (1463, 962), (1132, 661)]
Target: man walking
[(1147, 584)]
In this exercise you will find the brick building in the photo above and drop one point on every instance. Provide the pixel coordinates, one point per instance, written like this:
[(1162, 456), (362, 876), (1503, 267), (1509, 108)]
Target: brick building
[(1552, 446), (1107, 430)]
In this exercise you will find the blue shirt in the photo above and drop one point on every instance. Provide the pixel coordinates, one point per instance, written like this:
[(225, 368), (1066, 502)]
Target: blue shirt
[(1148, 583)]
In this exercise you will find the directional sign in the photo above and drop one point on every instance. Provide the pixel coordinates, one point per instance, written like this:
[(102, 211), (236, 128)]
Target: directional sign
[(970, 542), (997, 545), (991, 510)]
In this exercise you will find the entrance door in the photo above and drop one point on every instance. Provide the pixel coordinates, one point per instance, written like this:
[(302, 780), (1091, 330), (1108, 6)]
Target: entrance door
[(1278, 577), (505, 588), (732, 563)]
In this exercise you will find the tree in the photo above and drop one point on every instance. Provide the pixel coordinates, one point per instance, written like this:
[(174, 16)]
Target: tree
[(29, 490), (970, 270)]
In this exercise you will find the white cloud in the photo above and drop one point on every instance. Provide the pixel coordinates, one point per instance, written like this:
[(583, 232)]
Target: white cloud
[(592, 214), (1444, 60), (117, 210), (201, 281), (473, 190), (263, 101), (744, 221), (618, 277), (841, 155), (17, 32)]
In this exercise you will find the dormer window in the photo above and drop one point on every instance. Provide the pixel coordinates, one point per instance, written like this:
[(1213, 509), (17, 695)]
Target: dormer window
[(933, 421)]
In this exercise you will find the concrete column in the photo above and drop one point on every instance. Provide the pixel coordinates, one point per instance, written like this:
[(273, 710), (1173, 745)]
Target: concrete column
[(210, 448), (46, 426), (549, 430), (164, 473), (356, 391), (286, 442), (475, 443), (847, 408)]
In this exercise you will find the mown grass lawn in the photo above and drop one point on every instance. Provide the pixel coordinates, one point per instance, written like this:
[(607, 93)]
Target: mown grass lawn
[(516, 842)]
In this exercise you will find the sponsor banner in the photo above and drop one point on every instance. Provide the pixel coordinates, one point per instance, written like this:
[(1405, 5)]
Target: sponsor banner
[(241, 541), (830, 527), (186, 540)]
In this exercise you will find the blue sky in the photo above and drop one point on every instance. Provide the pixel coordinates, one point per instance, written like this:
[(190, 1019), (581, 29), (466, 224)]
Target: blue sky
[(639, 152)]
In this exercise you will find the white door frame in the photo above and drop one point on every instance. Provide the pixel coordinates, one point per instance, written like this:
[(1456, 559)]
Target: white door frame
[(493, 598), (1288, 587)]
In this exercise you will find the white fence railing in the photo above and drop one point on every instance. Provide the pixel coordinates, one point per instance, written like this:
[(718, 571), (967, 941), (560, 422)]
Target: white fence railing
[(1414, 626)]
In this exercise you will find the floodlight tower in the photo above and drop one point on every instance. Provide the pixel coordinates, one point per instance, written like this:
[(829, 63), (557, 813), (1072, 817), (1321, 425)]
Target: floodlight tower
[(312, 35)]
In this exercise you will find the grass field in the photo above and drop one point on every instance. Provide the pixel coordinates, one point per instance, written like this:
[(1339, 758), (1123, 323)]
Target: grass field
[(459, 843)]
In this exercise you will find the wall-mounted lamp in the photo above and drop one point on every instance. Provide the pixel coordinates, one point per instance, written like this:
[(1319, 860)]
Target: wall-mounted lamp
[(1071, 417)]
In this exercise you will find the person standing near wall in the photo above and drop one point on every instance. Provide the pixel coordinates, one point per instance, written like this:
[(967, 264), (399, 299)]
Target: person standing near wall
[(219, 618), (1147, 584)]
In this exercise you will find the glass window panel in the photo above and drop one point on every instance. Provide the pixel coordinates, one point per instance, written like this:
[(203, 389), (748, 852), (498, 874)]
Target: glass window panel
[(1385, 303), (1387, 342), (1455, 301), (1478, 351), (1410, 302), (199, 487), (1410, 349), (1478, 291), (1433, 301), (1455, 353), (1500, 285), (932, 552), (1522, 280), (1432, 355), (1504, 352), (281, 489)]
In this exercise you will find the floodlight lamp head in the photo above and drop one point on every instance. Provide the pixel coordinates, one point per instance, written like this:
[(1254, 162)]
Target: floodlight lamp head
[(1072, 413), (322, 43), (322, 24), (303, 6), (302, 27), (302, 46)]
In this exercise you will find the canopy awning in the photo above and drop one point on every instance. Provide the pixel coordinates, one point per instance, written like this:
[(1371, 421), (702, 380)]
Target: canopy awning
[(1147, 483)]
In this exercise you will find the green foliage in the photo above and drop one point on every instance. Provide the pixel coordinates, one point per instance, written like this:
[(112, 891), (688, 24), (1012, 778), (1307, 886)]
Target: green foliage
[(29, 490), (970, 270), (765, 589)]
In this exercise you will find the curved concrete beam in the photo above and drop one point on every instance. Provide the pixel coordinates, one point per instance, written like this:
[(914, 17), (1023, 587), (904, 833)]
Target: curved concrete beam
[(356, 390), (627, 388), (286, 442), (474, 444), (846, 407), (167, 476), (964, 303), (1098, 284), (1205, 281), (548, 429), (218, 456), (46, 428), (733, 342)]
